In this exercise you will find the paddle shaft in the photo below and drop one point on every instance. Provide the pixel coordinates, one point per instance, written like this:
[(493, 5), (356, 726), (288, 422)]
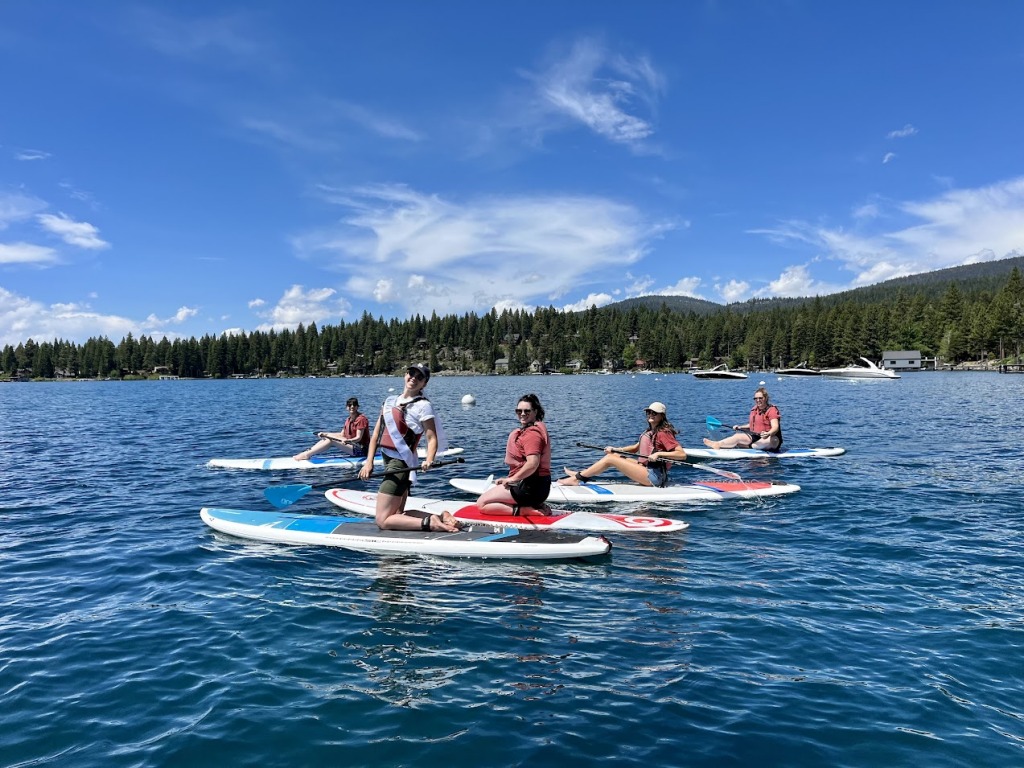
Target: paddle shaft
[(285, 495), (705, 467)]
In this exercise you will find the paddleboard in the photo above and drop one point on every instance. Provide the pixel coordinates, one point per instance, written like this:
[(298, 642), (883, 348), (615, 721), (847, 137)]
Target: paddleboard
[(754, 453), (361, 535), (591, 493), (365, 502), (317, 462)]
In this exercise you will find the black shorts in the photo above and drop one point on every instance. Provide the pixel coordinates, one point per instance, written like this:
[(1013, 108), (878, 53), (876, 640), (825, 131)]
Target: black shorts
[(531, 492)]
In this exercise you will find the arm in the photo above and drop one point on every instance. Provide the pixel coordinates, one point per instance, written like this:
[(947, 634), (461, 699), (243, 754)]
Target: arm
[(431, 435), (529, 467), (628, 449), (367, 469)]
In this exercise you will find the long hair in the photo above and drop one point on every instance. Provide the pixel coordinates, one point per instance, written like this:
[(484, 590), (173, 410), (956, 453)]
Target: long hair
[(534, 402)]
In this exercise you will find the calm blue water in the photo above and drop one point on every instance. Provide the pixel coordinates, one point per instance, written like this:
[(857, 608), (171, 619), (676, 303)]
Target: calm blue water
[(874, 619)]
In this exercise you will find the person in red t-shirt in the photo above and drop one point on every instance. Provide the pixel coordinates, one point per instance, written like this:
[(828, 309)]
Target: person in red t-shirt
[(763, 430), (528, 455), (352, 440)]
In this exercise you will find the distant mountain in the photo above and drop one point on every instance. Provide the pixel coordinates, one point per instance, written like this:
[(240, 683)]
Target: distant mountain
[(983, 276)]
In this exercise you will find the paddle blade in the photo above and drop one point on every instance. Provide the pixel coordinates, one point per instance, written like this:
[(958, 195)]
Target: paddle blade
[(713, 423), (716, 471), (282, 496)]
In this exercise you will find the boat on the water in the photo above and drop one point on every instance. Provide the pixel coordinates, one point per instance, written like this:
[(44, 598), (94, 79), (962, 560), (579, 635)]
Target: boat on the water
[(799, 369), (854, 371), (718, 372)]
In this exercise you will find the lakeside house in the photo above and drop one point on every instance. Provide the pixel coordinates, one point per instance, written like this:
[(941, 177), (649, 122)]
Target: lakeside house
[(902, 360)]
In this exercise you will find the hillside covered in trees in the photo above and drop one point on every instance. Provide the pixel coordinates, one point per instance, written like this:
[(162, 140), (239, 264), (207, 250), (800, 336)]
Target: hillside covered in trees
[(967, 319)]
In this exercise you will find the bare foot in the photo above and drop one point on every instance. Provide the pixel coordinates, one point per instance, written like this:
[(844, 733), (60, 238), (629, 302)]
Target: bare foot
[(570, 478), (304, 456), (444, 522), (711, 444)]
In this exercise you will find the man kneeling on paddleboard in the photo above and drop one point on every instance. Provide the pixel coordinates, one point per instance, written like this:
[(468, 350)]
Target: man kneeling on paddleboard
[(404, 419)]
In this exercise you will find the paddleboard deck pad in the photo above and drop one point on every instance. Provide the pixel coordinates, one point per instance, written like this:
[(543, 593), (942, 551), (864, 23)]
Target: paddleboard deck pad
[(317, 462), (754, 453), (365, 503), (361, 535), (592, 493)]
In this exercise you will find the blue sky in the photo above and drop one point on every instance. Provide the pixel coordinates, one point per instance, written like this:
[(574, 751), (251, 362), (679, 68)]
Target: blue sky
[(181, 168)]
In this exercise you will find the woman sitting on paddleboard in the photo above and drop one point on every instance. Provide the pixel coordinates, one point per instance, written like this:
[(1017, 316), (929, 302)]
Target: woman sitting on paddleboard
[(648, 468), (528, 455), (763, 430), (404, 419), (352, 440)]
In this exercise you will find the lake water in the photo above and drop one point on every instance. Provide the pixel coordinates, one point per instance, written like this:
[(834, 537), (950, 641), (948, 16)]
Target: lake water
[(876, 618)]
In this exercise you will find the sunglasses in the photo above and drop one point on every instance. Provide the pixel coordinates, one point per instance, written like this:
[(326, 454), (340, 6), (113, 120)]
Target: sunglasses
[(758, 399), (416, 374), (523, 411), (649, 412)]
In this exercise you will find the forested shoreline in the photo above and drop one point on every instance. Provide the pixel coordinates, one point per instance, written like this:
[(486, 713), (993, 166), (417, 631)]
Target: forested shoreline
[(963, 323)]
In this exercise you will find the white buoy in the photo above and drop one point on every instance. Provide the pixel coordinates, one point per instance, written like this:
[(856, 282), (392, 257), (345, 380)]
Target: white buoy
[(391, 389), (468, 400), (761, 383)]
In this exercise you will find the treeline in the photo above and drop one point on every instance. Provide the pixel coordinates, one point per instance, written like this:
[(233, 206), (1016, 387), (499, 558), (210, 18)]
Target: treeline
[(960, 324)]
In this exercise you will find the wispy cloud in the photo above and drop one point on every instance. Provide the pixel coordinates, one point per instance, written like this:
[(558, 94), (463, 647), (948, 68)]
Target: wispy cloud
[(18, 207), (423, 253), (183, 314), (960, 226), (902, 133), (888, 157), (27, 253), (78, 233), (29, 155), (611, 94)]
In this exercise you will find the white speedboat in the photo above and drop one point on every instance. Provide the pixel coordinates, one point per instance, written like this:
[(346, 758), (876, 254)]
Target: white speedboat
[(800, 369), (719, 372), (853, 371)]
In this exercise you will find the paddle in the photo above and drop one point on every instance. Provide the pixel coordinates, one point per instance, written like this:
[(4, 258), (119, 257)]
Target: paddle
[(713, 424), (285, 495), (705, 467)]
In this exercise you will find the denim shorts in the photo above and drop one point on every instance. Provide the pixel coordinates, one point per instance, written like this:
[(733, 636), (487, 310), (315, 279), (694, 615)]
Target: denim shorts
[(658, 475)]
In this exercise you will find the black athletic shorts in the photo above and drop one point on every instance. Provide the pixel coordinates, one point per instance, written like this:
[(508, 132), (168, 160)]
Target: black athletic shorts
[(531, 492)]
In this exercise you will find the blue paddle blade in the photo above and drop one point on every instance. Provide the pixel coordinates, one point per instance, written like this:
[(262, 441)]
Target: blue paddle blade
[(282, 496), (713, 423)]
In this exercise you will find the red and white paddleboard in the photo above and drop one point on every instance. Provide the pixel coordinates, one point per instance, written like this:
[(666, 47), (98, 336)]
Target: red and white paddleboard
[(365, 503)]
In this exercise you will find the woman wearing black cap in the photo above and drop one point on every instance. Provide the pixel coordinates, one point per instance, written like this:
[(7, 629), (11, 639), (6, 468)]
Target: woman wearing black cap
[(657, 443), (404, 420)]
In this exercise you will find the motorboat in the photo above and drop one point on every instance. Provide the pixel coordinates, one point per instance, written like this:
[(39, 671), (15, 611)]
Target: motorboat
[(800, 369), (718, 372), (855, 371)]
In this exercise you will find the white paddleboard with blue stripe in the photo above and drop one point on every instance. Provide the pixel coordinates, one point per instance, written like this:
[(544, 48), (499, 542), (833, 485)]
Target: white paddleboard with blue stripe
[(361, 535), (592, 493), (317, 462), (754, 453)]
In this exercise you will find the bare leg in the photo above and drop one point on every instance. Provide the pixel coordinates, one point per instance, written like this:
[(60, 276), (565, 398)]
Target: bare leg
[(738, 440), (391, 516), (630, 468), (322, 445)]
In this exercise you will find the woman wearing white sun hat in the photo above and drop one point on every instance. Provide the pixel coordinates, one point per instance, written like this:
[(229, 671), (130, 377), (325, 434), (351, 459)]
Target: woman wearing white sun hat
[(657, 443)]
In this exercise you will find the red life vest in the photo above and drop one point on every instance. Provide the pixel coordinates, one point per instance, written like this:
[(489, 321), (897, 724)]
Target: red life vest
[(397, 413), (515, 456)]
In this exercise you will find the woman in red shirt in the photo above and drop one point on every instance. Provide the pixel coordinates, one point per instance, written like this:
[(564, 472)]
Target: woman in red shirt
[(528, 455), (649, 467), (763, 430), (352, 440)]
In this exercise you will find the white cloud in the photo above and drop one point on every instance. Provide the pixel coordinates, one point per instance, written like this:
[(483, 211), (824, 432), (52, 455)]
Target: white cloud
[(959, 226), (29, 155), (298, 305), (906, 130), (183, 314), (424, 253), (594, 299), (78, 233), (22, 318), (27, 253), (604, 92), (888, 157), (256, 303), (685, 286), (734, 290), (16, 207)]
